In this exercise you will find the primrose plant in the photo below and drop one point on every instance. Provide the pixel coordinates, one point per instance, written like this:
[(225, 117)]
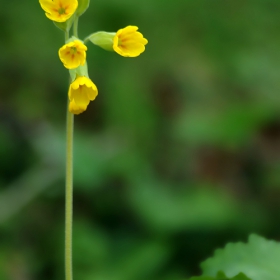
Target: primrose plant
[(258, 259), (127, 42)]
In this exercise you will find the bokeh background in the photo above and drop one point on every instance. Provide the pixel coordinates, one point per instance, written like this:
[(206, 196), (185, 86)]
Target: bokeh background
[(178, 155)]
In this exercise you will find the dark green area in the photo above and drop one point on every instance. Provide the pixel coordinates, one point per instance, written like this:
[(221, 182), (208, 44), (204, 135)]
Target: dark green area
[(178, 155)]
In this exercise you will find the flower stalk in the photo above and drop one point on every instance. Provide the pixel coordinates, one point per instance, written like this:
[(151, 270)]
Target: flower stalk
[(127, 42), (69, 195), (75, 27), (69, 190)]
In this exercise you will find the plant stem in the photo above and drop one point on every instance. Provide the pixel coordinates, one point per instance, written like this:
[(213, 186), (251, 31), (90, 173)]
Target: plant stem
[(69, 190), (66, 36), (75, 26), (69, 195)]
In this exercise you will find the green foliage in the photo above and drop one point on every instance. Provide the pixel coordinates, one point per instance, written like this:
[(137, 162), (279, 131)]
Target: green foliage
[(259, 259), (167, 210), (236, 126), (221, 276)]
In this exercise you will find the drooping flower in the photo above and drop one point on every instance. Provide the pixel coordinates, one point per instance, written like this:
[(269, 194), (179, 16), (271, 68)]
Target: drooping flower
[(80, 93), (73, 54), (129, 42), (59, 10)]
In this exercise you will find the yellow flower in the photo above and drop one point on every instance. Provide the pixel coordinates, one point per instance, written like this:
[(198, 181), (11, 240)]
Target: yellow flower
[(129, 42), (59, 10), (80, 93), (73, 54)]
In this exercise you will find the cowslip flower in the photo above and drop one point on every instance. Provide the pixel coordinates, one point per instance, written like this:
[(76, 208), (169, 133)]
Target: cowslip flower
[(80, 93), (128, 42), (59, 10), (73, 54)]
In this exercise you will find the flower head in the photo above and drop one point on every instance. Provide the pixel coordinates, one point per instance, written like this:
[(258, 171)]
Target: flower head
[(73, 54), (80, 93), (59, 10), (129, 42)]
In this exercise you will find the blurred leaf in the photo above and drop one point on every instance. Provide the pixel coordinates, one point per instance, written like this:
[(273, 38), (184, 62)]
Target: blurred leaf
[(170, 208), (91, 247), (139, 262), (221, 276), (259, 259), (232, 124)]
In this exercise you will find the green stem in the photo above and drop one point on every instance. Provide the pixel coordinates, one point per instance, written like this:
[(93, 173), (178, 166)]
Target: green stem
[(69, 195), (86, 40), (66, 36), (69, 190), (75, 26)]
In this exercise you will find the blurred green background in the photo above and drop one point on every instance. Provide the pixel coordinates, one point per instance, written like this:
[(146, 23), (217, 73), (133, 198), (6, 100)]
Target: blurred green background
[(178, 155)]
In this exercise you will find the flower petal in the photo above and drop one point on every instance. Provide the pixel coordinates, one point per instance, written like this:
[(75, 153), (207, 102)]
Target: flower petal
[(46, 5), (75, 109)]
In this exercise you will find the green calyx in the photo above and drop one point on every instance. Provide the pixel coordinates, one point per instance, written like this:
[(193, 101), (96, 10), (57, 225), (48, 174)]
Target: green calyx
[(65, 26), (81, 71), (102, 39), (72, 39), (82, 7)]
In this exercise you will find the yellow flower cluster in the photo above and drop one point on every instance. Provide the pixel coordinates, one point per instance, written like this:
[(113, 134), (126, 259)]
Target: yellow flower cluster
[(127, 42), (82, 90)]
